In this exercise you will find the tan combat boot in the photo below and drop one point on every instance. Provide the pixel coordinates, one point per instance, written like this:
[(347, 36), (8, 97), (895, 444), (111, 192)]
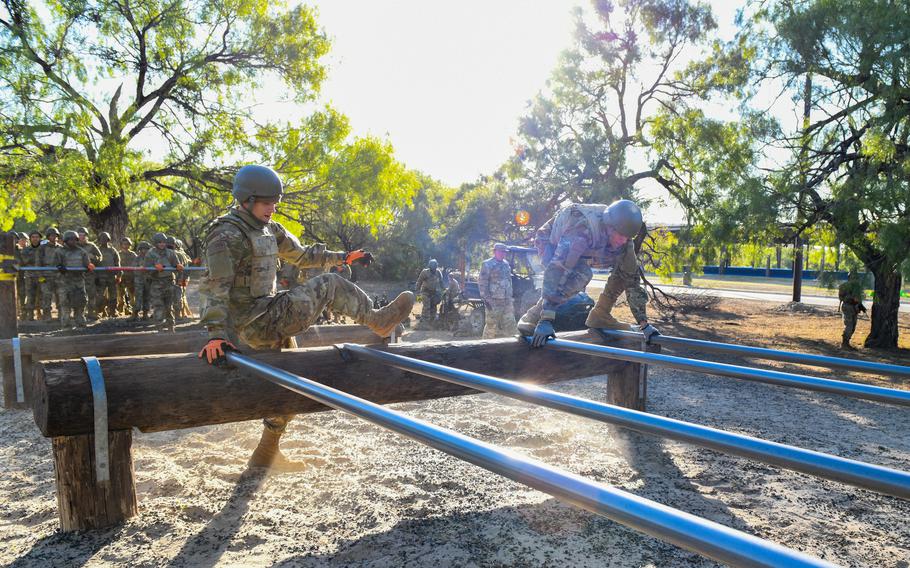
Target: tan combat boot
[(384, 320), (600, 317), (268, 455)]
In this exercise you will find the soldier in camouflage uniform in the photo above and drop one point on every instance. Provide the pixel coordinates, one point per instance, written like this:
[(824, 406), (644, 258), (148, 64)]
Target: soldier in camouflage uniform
[(495, 283), (141, 300), (107, 281), (30, 256), (850, 294), (179, 291), (429, 286), (20, 244), (161, 281), (184, 311), (126, 289), (576, 236), (91, 287), (50, 282), (72, 285), (242, 250)]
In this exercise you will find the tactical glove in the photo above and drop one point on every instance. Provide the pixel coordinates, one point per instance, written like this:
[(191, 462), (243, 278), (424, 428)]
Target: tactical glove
[(91, 267), (649, 332), (179, 267), (159, 267), (214, 351), (359, 256), (542, 332), (61, 268)]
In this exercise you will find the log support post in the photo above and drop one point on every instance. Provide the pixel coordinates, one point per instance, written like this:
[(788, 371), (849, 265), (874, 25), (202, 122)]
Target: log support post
[(8, 312), (626, 387), (83, 502)]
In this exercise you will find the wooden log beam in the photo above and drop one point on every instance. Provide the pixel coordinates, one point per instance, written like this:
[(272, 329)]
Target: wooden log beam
[(168, 392), (47, 348), (8, 313)]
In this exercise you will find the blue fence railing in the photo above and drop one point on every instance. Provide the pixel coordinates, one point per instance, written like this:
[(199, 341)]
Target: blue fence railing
[(765, 273)]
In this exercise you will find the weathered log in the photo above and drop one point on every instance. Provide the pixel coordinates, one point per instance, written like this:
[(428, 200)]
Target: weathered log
[(8, 312), (44, 348), (84, 503), (167, 392)]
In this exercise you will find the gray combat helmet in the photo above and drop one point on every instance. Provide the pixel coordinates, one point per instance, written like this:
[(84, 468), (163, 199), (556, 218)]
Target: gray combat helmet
[(256, 181), (82, 230), (126, 241), (432, 265), (52, 231), (624, 216), (104, 237), (67, 235), (171, 241), (144, 245), (159, 238)]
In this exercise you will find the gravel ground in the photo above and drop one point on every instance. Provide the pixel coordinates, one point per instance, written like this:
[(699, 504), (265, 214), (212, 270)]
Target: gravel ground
[(373, 498)]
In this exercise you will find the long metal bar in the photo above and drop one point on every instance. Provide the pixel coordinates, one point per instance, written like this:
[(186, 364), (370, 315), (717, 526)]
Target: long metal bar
[(861, 474), (702, 536), (106, 269), (856, 390), (770, 354)]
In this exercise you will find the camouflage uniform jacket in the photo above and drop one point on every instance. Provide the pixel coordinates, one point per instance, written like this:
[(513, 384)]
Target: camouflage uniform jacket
[(495, 281), (75, 257), (47, 254), (30, 256), (92, 250), (851, 292), (166, 258), (109, 256), (429, 281), (185, 260), (242, 255), (128, 258)]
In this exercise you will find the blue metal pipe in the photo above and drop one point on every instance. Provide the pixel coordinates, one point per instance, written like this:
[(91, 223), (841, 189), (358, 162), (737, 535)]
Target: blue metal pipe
[(869, 476), (856, 390), (763, 353), (702, 536), (105, 269)]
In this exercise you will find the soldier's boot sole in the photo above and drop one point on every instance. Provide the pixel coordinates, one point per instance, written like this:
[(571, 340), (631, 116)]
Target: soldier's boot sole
[(386, 319), (267, 455)]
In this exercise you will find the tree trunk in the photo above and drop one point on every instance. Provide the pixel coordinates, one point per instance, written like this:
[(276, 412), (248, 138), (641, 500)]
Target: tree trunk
[(885, 306), (114, 218)]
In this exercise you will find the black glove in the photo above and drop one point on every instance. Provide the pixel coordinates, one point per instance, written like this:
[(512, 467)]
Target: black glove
[(61, 268), (862, 309), (649, 332), (542, 332)]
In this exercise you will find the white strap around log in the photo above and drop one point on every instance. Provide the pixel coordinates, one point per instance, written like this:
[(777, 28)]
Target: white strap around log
[(17, 366), (99, 398)]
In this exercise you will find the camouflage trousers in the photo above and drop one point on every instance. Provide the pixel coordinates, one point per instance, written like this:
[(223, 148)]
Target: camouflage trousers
[(273, 319), (91, 293), (141, 301), (430, 306), (32, 296), (72, 298), (850, 313), (161, 299), (126, 294), (106, 295), (499, 320), (179, 299), (51, 290)]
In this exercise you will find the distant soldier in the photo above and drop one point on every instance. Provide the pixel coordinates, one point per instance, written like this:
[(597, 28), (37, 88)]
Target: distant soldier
[(107, 281), (568, 243), (30, 256), (72, 286), (126, 288), (161, 282), (141, 298), (20, 244), (180, 280), (50, 281), (850, 294), (429, 286), (451, 294), (91, 287), (184, 311), (495, 283)]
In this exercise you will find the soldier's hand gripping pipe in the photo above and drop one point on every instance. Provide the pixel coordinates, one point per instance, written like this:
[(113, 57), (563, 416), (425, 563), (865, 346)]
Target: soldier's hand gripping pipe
[(649, 332), (214, 351), (542, 332), (360, 256)]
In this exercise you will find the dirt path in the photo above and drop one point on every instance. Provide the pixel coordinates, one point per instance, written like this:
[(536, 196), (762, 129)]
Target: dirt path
[(372, 498)]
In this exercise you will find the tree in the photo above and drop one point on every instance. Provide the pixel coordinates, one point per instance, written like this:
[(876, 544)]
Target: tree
[(588, 138), (84, 83), (848, 164)]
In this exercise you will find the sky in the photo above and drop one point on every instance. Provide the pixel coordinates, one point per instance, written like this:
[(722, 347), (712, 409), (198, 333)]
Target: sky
[(446, 82)]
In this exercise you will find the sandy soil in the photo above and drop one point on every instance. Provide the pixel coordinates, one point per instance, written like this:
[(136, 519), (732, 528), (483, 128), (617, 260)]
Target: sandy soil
[(372, 498)]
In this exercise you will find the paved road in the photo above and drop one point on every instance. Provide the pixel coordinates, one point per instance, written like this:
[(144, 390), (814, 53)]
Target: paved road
[(758, 296)]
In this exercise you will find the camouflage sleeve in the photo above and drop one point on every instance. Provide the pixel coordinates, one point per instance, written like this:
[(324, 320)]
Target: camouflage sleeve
[(483, 282), (86, 260), (309, 256), (95, 256), (542, 236), (420, 278), (625, 278), (220, 247), (116, 258)]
